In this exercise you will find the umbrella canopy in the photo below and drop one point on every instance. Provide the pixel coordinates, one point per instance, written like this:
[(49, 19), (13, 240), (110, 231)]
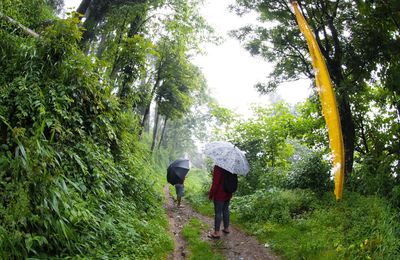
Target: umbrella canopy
[(177, 171), (228, 157)]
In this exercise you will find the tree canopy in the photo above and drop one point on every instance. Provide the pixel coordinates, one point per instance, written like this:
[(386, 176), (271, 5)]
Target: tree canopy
[(354, 50)]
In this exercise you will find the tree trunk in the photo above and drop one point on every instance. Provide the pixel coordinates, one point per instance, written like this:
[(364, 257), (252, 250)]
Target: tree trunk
[(3, 133), (94, 16), (83, 7), (155, 128), (147, 110), (102, 46), (145, 119), (364, 137), (333, 55), (125, 87), (345, 114), (162, 132), (116, 55), (348, 130)]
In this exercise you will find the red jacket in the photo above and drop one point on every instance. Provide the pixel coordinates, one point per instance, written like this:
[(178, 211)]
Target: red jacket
[(217, 190)]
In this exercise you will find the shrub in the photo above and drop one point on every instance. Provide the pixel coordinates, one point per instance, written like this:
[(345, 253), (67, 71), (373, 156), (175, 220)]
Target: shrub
[(261, 178), (373, 176), (310, 172), (278, 206)]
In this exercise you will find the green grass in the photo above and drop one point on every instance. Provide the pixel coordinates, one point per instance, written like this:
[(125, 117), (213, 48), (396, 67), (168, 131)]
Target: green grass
[(199, 249), (197, 184), (359, 227), (299, 225)]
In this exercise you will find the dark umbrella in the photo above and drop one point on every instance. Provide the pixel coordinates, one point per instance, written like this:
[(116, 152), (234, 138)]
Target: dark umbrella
[(177, 171)]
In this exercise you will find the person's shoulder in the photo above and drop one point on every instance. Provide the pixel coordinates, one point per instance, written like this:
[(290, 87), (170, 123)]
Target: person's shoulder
[(217, 168), (219, 171)]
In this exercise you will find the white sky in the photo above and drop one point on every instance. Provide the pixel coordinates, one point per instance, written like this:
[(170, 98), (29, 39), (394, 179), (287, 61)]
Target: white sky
[(231, 72)]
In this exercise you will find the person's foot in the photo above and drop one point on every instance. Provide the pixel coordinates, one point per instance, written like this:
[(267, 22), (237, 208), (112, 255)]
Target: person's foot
[(214, 235), (226, 231)]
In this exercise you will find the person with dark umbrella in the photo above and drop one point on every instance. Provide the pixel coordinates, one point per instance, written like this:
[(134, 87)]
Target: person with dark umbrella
[(176, 174)]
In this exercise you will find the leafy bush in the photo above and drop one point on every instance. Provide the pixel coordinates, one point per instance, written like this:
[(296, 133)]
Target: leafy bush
[(278, 206), (261, 178), (311, 172), (365, 227), (74, 181), (373, 176), (395, 196)]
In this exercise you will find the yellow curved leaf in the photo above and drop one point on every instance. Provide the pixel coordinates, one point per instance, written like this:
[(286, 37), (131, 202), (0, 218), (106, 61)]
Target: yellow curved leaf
[(328, 102)]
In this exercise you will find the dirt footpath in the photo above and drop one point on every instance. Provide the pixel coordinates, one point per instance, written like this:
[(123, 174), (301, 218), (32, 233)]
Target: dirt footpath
[(235, 245)]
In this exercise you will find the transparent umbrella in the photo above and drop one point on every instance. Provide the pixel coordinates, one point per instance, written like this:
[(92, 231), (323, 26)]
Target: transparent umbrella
[(227, 156)]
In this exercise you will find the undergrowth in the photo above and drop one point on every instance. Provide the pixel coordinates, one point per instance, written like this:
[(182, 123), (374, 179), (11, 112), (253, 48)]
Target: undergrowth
[(302, 224), (299, 226), (75, 182)]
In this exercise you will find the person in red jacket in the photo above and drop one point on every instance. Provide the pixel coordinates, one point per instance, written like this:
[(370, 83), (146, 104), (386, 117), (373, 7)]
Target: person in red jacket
[(221, 202)]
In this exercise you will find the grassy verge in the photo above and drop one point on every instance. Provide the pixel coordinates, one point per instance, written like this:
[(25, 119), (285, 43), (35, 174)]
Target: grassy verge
[(199, 249), (297, 224), (157, 181), (197, 185)]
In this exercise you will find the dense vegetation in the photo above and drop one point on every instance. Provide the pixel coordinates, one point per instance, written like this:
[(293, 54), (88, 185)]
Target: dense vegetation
[(75, 178), (287, 199), (287, 146), (81, 154), (284, 199)]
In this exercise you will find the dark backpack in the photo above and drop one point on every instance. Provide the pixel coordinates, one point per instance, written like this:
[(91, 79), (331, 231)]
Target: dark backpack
[(230, 182)]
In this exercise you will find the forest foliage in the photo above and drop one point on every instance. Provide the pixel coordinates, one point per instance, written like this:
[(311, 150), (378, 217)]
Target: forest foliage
[(93, 105), (75, 178), (287, 198)]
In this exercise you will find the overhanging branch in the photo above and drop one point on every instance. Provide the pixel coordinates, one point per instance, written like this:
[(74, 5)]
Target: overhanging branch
[(25, 29)]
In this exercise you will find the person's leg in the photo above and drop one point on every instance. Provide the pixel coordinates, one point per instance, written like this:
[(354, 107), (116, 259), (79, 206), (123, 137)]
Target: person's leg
[(177, 194), (225, 213), (180, 191), (218, 205)]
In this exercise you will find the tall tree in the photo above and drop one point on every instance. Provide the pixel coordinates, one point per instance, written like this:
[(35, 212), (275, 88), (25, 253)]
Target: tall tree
[(96, 12), (179, 37), (176, 95), (337, 26)]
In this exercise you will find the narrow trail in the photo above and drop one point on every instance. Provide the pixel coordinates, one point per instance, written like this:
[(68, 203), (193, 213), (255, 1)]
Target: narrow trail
[(236, 245)]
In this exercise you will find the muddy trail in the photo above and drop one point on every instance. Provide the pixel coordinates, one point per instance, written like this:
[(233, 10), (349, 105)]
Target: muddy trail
[(235, 245)]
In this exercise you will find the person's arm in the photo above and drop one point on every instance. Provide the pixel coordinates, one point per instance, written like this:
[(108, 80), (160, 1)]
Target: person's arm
[(215, 182)]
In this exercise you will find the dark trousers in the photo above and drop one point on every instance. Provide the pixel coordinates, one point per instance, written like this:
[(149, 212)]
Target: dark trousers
[(221, 210)]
